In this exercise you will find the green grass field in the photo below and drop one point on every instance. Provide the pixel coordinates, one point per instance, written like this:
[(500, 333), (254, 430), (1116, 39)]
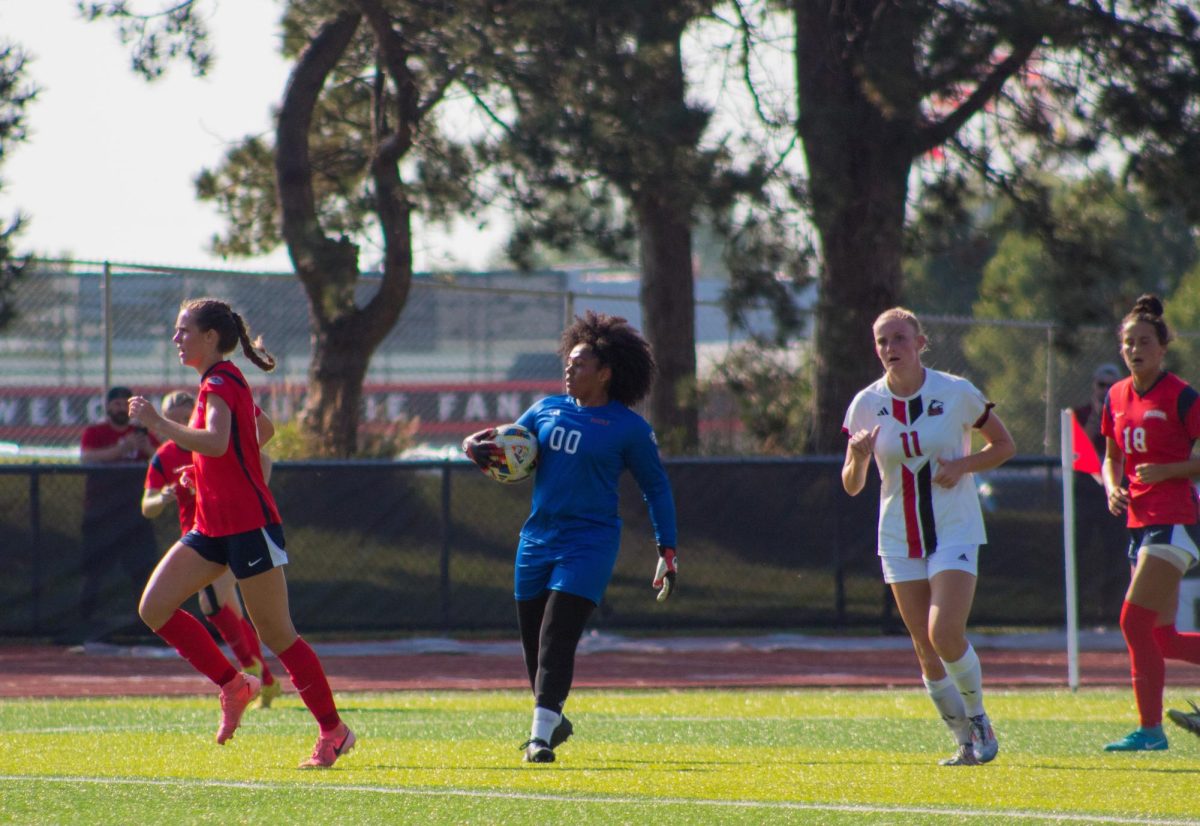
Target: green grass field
[(695, 757)]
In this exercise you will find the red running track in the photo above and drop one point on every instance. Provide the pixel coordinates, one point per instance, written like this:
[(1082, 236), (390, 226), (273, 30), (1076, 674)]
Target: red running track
[(47, 671)]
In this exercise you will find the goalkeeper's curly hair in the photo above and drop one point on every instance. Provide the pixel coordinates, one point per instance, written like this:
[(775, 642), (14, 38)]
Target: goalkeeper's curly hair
[(618, 346)]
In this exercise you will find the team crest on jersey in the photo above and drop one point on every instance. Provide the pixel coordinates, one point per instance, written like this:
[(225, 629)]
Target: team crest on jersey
[(936, 407), (1154, 414)]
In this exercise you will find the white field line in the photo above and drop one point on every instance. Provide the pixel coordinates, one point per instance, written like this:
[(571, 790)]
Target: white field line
[(658, 802)]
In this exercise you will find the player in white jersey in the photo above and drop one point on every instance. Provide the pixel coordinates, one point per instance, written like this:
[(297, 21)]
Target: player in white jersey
[(917, 424)]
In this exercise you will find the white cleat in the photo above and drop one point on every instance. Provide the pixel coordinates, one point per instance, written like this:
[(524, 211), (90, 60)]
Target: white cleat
[(983, 739), (965, 756)]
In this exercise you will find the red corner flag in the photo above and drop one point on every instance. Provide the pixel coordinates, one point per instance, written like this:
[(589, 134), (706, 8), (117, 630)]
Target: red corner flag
[(1086, 460)]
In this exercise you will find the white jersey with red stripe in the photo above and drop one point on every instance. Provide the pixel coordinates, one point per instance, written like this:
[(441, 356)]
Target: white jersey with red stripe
[(915, 515)]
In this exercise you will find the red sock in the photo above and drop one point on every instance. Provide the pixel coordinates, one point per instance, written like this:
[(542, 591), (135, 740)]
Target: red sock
[(309, 678), (194, 644), (1177, 646), (229, 625), (1145, 662), (252, 642)]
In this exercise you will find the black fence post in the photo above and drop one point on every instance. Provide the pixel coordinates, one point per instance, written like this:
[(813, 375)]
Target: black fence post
[(35, 548), (445, 558)]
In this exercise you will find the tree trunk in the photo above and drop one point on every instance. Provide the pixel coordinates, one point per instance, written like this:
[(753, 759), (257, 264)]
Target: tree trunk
[(669, 321), (858, 141), (344, 336), (335, 378), (664, 195)]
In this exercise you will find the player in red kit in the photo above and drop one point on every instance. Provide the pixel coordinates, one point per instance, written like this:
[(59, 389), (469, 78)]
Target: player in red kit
[(237, 525), (1150, 422), (169, 479)]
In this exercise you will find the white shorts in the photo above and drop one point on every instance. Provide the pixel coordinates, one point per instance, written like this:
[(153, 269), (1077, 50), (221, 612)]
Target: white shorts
[(951, 558)]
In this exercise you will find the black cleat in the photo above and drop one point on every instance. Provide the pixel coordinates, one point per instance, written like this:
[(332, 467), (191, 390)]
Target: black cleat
[(1188, 721), (561, 732), (537, 751)]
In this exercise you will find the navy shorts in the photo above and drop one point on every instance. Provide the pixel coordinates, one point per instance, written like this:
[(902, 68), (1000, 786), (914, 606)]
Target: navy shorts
[(1184, 537), (247, 554)]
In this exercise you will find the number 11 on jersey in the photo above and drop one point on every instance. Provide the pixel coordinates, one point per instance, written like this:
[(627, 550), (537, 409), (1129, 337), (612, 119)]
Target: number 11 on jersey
[(912, 443)]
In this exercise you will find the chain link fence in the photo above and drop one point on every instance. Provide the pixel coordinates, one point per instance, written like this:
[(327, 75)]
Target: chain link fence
[(468, 349), (420, 545), (382, 547)]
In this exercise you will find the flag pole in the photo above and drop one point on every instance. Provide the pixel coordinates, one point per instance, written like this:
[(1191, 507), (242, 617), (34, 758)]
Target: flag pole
[(1067, 425)]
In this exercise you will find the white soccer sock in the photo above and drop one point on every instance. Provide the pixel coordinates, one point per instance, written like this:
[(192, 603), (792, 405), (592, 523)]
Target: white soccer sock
[(544, 723), (968, 676), (949, 703)]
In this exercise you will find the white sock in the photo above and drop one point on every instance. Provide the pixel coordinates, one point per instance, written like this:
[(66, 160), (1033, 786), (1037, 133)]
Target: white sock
[(544, 723), (949, 704), (968, 676)]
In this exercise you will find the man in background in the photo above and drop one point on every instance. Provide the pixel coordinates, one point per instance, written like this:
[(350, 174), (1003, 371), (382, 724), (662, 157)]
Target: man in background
[(114, 532), (1104, 568)]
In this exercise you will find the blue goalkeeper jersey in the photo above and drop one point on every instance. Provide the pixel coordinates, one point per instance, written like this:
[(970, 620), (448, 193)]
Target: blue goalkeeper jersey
[(581, 454)]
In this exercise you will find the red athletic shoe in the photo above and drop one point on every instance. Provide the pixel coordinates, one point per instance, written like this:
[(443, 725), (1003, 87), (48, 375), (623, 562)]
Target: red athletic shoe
[(330, 747), (235, 696)]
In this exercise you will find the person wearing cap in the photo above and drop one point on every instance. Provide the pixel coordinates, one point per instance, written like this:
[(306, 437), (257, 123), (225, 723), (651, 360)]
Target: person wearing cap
[(114, 532), (1088, 415), (1104, 569)]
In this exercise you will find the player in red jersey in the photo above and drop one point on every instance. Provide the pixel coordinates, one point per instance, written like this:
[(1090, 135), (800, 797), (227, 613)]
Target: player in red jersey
[(168, 479), (1150, 422), (237, 525)]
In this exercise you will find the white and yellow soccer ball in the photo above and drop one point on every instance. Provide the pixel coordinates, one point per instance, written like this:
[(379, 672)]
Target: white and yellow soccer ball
[(520, 451)]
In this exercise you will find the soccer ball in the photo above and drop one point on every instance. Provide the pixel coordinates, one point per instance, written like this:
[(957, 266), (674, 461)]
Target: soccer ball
[(520, 454)]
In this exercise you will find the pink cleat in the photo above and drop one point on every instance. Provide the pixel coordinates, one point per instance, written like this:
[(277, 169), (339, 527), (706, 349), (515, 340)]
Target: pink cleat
[(235, 696), (330, 747)]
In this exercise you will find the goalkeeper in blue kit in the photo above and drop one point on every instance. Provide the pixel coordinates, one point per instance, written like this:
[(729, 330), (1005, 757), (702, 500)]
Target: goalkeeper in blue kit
[(568, 545)]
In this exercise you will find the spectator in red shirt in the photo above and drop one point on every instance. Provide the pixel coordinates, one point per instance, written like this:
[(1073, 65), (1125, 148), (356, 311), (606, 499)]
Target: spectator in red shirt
[(113, 532)]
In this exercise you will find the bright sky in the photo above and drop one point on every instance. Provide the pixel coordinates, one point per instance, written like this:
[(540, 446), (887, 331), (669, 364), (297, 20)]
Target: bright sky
[(108, 169)]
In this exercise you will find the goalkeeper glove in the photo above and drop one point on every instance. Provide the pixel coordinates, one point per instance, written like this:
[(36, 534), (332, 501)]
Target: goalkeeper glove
[(481, 450), (665, 573)]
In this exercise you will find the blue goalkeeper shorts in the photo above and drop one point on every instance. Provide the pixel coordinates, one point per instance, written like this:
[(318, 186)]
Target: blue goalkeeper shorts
[(583, 569)]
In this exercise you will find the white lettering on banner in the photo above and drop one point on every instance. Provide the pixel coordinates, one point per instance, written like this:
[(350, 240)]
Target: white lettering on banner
[(64, 412), (476, 410), (38, 416), (396, 405), (508, 406), (446, 405), (55, 412)]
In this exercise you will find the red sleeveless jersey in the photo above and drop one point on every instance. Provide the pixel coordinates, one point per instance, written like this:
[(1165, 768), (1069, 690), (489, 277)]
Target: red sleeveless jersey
[(1155, 427), (231, 494)]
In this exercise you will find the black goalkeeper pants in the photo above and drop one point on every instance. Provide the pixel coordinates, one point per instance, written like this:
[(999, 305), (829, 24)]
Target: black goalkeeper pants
[(551, 627)]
